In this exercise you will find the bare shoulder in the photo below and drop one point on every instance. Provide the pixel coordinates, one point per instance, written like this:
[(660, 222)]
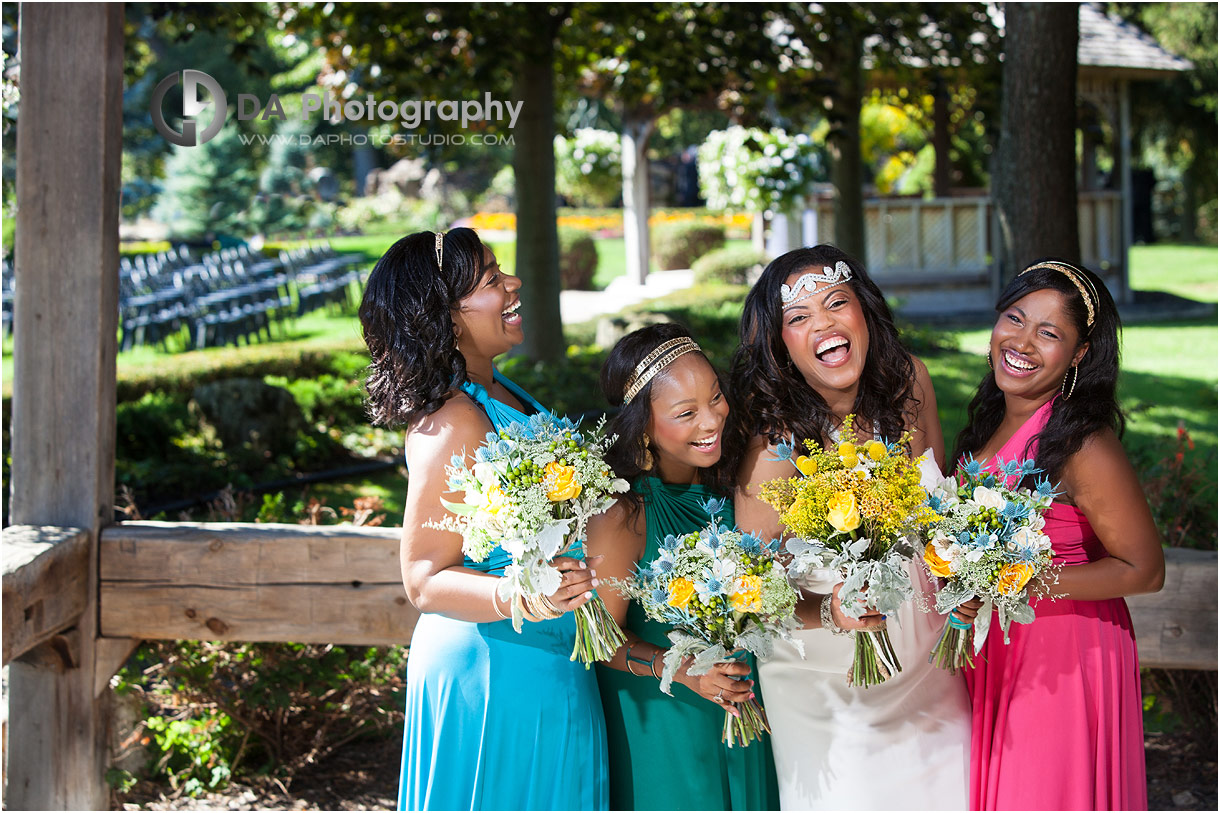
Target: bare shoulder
[(923, 379), (1100, 449), (459, 425), (759, 464)]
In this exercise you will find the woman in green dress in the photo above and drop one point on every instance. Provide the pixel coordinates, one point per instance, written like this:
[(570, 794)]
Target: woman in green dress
[(666, 752)]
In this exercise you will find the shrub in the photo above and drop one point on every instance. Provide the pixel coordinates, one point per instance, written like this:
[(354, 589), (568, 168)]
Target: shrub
[(678, 245), (588, 167), (577, 260), (757, 170), (220, 708), (727, 266)]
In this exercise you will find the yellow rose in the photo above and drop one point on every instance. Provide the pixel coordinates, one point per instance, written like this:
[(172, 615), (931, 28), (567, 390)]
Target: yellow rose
[(680, 592), (807, 466), (842, 512), (747, 594), (1013, 577), (876, 450), (937, 565), (497, 500), (560, 482)]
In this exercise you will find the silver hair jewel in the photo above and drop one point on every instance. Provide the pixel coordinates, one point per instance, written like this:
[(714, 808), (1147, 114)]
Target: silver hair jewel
[(440, 249), (838, 275)]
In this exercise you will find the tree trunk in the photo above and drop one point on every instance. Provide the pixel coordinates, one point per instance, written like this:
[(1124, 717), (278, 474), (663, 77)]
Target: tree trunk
[(843, 143), (636, 196), (537, 237), (942, 180), (1035, 187)]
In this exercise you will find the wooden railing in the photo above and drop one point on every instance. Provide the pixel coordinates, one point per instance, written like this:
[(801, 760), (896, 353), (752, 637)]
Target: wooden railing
[(341, 584)]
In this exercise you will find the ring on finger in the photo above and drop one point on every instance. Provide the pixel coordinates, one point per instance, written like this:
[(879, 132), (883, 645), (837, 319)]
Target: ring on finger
[(719, 698)]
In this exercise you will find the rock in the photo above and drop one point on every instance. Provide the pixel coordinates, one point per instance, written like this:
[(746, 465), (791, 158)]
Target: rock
[(248, 410), (406, 176), (1184, 798), (612, 328)]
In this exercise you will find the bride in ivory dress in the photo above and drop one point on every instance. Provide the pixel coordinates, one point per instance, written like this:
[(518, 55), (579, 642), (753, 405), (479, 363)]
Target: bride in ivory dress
[(819, 342)]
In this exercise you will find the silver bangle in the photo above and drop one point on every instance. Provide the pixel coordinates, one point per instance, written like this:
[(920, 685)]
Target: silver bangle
[(828, 621)]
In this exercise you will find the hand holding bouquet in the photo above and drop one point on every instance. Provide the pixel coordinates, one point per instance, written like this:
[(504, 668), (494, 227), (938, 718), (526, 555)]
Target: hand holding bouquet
[(856, 509), (722, 591), (988, 543), (531, 490)]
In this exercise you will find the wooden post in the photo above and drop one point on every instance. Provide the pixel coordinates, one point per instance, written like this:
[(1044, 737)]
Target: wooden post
[(69, 142)]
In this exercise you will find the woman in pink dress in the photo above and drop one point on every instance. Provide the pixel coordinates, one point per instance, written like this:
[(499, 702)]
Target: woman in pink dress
[(1056, 714)]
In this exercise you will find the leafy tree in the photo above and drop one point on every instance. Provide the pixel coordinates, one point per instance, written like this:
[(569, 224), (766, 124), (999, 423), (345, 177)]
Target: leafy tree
[(824, 47), (454, 51), (643, 60), (207, 187)]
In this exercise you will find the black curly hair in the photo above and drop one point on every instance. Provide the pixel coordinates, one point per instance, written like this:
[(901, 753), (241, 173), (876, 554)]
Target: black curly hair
[(407, 318), (776, 401), (1094, 402), (629, 424)]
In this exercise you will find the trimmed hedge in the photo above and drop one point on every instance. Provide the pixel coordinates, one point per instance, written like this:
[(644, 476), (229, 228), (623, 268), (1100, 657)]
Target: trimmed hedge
[(678, 245), (727, 266), (577, 260)]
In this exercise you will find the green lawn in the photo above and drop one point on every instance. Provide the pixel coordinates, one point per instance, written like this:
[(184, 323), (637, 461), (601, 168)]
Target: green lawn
[(1188, 271)]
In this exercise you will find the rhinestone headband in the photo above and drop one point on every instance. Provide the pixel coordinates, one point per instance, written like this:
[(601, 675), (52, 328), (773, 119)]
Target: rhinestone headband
[(440, 249), (1076, 278), (838, 275), (656, 361)]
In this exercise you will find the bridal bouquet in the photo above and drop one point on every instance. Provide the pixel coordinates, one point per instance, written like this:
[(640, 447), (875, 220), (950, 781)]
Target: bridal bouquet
[(856, 509), (531, 490), (722, 591), (988, 543)]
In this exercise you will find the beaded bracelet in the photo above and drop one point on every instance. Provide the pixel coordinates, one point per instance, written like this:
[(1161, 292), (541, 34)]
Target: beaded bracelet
[(828, 621)]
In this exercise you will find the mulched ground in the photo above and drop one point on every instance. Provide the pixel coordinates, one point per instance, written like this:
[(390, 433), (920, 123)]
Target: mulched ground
[(364, 776)]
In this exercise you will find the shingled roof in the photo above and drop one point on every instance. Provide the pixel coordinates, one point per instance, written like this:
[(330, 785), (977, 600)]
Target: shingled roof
[(1120, 48)]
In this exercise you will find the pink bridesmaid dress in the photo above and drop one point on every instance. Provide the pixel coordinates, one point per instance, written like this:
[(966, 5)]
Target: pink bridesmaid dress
[(1057, 714)]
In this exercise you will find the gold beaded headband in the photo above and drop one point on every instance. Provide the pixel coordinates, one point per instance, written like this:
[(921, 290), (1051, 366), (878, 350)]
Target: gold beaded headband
[(656, 361), (440, 249), (1075, 276)]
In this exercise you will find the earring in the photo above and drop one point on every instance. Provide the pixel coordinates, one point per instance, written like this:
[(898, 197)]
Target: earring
[(647, 464), (989, 361), (1064, 388)]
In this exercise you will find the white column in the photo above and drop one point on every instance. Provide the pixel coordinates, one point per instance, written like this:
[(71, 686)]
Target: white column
[(1124, 141)]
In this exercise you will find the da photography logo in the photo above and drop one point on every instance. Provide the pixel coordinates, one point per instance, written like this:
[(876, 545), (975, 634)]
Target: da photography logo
[(191, 107)]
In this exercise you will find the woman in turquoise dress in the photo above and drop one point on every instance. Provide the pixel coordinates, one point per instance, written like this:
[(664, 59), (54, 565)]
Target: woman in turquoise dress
[(666, 752), (495, 719)]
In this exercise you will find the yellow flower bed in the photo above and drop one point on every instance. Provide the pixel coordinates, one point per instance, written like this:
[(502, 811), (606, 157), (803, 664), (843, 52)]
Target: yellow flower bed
[(507, 221)]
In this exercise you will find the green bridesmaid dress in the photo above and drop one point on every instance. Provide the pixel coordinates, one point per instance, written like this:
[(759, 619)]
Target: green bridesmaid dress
[(666, 752)]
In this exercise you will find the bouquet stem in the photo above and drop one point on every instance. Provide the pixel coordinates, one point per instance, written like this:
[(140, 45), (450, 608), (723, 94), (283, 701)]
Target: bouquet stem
[(750, 726), (875, 661), (954, 649), (597, 636)]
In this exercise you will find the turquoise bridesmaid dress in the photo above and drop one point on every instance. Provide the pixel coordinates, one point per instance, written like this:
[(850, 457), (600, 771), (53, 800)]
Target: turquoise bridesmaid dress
[(495, 719)]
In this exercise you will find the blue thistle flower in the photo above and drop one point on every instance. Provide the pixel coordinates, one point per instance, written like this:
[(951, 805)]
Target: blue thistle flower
[(670, 542), (659, 596), (663, 567), (646, 572), (783, 451), (972, 467), (713, 506), (482, 455)]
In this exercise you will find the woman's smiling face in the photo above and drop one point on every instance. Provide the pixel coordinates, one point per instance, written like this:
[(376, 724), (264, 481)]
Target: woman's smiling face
[(688, 416), (1033, 344), (827, 338), (487, 320)]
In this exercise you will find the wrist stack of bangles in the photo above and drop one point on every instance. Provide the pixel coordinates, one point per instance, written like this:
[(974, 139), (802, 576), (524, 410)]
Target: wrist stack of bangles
[(959, 623), (539, 607), (650, 663), (828, 621)]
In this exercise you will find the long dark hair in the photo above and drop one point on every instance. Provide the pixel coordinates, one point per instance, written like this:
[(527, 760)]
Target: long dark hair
[(1094, 402), (626, 454), (407, 317), (774, 398)]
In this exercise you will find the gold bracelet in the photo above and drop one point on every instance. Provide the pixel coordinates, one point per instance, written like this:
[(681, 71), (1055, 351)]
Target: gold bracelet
[(540, 607), (495, 604), (652, 667)]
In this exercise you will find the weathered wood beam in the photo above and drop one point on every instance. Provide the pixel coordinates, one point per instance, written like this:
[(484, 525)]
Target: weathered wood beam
[(1176, 628), (46, 573), (254, 582), (65, 323)]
